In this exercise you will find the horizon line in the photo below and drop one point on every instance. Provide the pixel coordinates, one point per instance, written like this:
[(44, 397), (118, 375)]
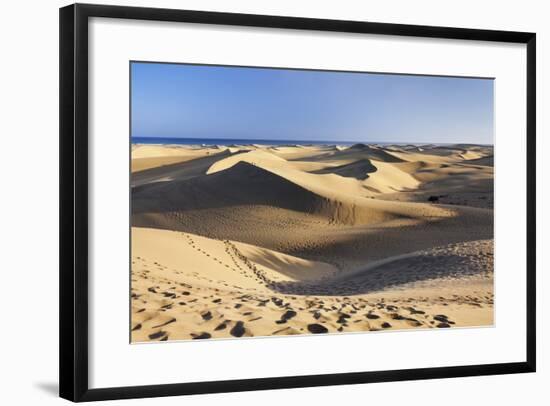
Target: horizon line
[(252, 141)]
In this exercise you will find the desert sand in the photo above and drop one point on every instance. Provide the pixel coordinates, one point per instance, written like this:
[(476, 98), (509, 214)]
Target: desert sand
[(259, 240)]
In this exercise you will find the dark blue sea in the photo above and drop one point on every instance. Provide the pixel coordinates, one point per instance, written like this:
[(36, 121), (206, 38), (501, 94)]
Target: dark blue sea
[(238, 141)]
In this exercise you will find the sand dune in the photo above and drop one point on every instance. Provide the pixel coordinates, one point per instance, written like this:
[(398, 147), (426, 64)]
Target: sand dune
[(352, 180), (216, 259), (280, 186), (484, 161), (188, 287), (390, 178), (309, 239), (196, 165), (304, 152), (257, 157), (368, 151), (360, 169), (345, 154)]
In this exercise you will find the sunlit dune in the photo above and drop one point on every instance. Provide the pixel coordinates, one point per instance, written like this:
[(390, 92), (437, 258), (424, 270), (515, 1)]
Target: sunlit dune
[(260, 240)]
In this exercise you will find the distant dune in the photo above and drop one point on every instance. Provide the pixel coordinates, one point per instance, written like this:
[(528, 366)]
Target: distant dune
[(268, 240)]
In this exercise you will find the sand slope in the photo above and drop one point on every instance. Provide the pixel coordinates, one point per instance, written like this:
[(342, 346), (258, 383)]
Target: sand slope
[(189, 287), (310, 230)]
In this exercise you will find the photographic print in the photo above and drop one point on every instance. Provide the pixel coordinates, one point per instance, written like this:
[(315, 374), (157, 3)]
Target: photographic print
[(275, 202)]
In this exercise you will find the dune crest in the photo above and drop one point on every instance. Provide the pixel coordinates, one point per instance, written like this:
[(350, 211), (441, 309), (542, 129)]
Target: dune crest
[(262, 240), (256, 157), (247, 184)]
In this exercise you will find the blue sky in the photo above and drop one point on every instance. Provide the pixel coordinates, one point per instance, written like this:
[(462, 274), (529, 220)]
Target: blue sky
[(189, 101)]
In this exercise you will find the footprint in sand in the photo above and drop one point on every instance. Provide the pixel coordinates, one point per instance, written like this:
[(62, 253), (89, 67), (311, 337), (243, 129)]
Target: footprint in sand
[(172, 320), (156, 335), (237, 330), (413, 322), (442, 318), (317, 329), (286, 316), (415, 311), (343, 318), (201, 336), (287, 331)]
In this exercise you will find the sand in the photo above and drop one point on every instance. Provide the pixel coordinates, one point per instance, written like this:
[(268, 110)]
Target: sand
[(277, 240)]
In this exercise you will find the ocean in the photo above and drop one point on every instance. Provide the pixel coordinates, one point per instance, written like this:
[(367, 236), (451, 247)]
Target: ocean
[(242, 141)]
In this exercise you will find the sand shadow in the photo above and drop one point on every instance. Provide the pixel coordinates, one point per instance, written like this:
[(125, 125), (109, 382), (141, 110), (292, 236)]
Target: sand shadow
[(390, 275)]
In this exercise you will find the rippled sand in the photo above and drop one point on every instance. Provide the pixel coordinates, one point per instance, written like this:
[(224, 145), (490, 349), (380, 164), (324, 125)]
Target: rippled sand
[(259, 241)]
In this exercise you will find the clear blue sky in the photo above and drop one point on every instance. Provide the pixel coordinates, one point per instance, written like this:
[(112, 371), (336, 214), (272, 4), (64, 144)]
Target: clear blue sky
[(187, 101)]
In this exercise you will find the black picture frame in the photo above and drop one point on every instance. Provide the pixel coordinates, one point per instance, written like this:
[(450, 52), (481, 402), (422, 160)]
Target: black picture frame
[(73, 280)]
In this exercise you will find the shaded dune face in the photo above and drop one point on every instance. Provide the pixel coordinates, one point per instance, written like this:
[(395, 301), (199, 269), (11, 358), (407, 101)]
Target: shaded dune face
[(260, 241), (241, 184), (247, 185), (483, 161), (256, 158), (358, 169), (369, 152), (299, 215), (186, 168), (321, 214), (355, 152)]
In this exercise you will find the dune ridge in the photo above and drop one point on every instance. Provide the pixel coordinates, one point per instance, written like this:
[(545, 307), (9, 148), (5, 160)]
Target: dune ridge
[(305, 239)]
